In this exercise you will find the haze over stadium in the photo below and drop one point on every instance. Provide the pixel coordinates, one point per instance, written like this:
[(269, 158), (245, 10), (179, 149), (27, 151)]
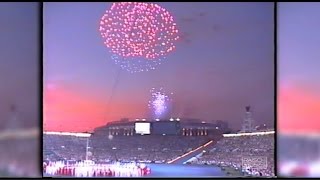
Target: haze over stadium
[(157, 85)]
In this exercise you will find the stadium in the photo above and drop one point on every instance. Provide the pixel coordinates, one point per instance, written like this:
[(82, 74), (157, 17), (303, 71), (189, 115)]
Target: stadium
[(159, 148), (140, 37)]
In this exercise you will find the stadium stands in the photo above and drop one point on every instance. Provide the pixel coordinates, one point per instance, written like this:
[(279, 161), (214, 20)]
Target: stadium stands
[(231, 151), (146, 148), (228, 153), (18, 155)]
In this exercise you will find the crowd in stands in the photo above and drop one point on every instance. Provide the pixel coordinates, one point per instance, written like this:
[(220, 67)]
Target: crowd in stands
[(227, 152), (235, 151), (19, 143), (147, 148), (64, 147), (19, 157), (144, 148), (299, 155), (298, 148)]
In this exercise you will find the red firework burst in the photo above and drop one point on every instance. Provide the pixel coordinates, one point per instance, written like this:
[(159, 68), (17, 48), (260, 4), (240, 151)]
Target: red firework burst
[(137, 29)]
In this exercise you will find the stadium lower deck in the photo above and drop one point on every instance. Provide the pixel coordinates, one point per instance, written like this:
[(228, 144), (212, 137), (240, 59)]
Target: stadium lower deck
[(179, 166)]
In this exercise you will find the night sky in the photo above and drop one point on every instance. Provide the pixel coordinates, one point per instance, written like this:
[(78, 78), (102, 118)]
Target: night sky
[(298, 57), (223, 62), (19, 50)]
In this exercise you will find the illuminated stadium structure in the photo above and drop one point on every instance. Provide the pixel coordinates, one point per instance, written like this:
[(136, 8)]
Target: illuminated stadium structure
[(172, 126), (112, 140), (162, 144)]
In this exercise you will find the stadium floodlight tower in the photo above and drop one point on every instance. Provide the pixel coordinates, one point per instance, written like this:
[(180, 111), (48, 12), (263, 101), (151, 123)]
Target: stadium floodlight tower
[(86, 135), (247, 125)]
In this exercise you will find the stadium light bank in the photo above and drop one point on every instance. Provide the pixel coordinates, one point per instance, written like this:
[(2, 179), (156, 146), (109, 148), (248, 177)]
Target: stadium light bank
[(249, 134), (86, 135)]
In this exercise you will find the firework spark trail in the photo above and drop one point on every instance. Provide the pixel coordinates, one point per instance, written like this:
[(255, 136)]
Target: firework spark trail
[(134, 65)]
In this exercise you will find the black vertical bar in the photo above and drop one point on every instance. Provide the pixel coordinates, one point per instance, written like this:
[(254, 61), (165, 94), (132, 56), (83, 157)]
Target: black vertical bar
[(275, 88), (41, 86)]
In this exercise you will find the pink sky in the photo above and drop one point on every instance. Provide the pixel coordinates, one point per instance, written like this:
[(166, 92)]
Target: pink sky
[(67, 110), (298, 109)]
